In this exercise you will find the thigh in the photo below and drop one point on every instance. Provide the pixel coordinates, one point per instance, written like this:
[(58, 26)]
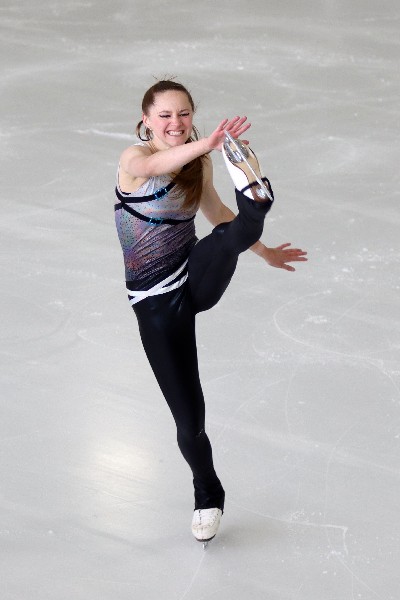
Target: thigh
[(167, 329), (211, 266), (213, 260)]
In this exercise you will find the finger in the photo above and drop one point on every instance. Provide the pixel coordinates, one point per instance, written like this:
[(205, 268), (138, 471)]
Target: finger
[(242, 129), (240, 125), (295, 259), (288, 254), (223, 123), (232, 122), (235, 123), (282, 246), (241, 121), (293, 253)]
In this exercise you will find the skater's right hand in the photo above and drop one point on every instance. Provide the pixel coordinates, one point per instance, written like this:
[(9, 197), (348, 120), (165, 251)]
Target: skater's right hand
[(236, 127)]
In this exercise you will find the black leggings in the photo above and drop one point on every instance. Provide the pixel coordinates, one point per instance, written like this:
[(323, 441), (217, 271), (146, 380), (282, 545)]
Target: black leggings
[(167, 329)]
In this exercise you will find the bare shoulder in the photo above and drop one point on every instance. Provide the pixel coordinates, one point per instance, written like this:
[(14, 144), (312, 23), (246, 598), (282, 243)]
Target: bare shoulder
[(133, 152), (127, 181)]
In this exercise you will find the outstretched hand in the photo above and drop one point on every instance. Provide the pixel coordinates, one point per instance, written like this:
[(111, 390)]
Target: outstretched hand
[(236, 127), (281, 255)]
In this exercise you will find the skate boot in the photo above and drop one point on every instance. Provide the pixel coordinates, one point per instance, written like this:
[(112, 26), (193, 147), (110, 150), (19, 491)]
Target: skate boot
[(245, 171), (205, 524)]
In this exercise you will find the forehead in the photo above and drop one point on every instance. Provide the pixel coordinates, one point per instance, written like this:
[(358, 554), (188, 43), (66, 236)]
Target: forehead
[(171, 100)]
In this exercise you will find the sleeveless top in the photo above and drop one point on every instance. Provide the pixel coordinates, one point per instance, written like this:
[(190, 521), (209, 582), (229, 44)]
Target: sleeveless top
[(152, 249)]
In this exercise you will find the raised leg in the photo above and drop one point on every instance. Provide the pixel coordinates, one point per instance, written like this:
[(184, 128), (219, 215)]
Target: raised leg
[(213, 260)]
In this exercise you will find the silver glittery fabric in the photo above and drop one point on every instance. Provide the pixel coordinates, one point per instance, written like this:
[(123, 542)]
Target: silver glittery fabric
[(152, 252)]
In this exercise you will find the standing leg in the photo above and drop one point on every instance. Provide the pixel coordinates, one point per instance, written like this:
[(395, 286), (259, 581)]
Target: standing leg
[(167, 329)]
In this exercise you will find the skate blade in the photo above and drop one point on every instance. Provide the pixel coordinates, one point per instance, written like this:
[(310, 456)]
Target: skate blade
[(205, 542), (235, 150), (240, 156)]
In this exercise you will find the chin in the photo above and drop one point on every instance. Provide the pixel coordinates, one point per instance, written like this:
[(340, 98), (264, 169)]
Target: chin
[(179, 142)]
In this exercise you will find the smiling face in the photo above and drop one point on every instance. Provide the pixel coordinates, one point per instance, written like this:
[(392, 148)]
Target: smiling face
[(170, 119)]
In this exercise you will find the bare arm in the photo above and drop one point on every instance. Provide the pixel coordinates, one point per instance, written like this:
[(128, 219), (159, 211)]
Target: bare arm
[(217, 212), (211, 205), (138, 161)]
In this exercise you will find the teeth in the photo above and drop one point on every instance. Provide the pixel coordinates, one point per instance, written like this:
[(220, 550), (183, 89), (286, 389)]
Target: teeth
[(175, 132)]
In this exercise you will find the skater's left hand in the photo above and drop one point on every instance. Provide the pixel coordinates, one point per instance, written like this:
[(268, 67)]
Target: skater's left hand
[(281, 255)]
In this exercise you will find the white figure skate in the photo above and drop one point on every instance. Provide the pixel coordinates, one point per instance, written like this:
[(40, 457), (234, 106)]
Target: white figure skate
[(205, 524), (244, 169)]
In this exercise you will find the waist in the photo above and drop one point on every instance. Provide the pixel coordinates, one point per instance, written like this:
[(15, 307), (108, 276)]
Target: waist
[(172, 282)]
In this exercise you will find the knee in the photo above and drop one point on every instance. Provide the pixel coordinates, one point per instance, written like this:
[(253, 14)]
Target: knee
[(220, 233), (240, 233), (224, 237), (193, 433), (220, 228)]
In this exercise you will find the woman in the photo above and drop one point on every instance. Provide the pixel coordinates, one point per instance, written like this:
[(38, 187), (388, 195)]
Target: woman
[(170, 275)]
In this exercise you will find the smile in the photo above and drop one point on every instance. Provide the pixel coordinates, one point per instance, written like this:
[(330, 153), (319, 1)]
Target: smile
[(175, 133)]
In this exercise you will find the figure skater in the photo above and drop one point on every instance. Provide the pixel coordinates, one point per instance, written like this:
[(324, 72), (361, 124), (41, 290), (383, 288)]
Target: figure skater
[(171, 276)]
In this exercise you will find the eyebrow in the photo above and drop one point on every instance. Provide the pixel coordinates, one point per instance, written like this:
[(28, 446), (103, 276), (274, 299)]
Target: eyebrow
[(165, 110)]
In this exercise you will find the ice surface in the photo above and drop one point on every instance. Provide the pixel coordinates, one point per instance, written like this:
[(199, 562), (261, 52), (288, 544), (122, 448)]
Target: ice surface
[(301, 371)]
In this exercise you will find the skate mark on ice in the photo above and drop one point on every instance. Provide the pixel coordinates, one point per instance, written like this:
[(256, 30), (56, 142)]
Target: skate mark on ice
[(344, 313), (328, 465), (110, 134), (290, 521), (334, 552), (232, 415), (185, 593), (218, 592), (315, 346), (289, 385)]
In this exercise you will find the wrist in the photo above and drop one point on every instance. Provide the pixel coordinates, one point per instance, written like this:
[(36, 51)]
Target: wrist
[(258, 248), (206, 145)]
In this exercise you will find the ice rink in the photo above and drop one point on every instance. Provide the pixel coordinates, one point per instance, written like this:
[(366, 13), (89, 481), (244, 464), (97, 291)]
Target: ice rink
[(301, 371)]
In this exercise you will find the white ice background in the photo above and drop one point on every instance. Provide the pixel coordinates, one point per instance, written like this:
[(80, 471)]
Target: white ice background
[(300, 371)]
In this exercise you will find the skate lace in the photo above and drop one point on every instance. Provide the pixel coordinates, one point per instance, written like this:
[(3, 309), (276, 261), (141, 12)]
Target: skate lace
[(207, 519)]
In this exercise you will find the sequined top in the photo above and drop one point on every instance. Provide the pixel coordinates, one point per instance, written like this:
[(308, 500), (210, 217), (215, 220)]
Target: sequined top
[(152, 252)]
